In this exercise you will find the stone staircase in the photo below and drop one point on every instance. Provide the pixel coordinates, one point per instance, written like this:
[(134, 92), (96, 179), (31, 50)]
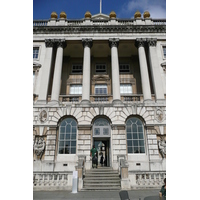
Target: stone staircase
[(102, 178)]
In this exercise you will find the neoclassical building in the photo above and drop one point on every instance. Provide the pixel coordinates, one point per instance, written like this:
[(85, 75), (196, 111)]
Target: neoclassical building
[(101, 81)]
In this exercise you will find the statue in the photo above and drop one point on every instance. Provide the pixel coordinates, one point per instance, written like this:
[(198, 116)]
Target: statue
[(39, 146), (162, 148)]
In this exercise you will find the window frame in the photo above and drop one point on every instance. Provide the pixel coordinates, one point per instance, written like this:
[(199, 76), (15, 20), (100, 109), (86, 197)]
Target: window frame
[(124, 72), (39, 49), (100, 72), (129, 93), (76, 85), (74, 72), (133, 138), (99, 94), (162, 50), (65, 140)]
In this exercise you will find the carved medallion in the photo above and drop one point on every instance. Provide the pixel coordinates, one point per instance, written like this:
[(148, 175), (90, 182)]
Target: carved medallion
[(159, 114), (43, 116)]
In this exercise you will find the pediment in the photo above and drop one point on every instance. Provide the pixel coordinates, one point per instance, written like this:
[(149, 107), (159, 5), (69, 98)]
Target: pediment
[(100, 16)]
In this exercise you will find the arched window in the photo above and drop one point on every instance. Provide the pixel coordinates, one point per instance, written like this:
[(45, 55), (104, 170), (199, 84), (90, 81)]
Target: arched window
[(135, 135), (67, 136)]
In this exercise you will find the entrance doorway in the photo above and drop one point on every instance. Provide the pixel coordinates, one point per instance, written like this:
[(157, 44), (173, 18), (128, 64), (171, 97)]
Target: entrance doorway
[(101, 140), (102, 147)]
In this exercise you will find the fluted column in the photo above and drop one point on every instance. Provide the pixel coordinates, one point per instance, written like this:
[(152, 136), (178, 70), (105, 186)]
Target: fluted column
[(45, 72), (87, 44), (113, 43), (61, 44), (143, 69), (155, 69)]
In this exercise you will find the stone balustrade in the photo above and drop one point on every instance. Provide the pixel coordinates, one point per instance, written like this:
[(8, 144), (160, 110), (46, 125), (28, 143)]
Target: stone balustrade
[(98, 22), (147, 179), (50, 180)]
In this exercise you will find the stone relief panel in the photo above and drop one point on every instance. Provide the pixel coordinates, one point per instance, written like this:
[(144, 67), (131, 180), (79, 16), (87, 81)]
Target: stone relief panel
[(39, 147)]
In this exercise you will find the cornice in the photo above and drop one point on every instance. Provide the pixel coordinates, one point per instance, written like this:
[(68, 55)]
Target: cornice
[(100, 29)]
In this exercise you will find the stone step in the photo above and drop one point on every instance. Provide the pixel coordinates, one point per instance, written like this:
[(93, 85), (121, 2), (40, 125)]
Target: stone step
[(102, 180), (101, 188), (102, 184)]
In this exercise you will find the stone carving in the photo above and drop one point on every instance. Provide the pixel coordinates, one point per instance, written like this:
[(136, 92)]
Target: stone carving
[(49, 42), (60, 43), (113, 42), (43, 116), (140, 42), (159, 115), (39, 146), (87, 42), (162, 147), (152, 42)]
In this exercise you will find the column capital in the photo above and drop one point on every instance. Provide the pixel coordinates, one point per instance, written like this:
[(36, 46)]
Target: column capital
[(87, 42), (60, 43), (140, 42), (113, 42), (49, 42), (151, 41)]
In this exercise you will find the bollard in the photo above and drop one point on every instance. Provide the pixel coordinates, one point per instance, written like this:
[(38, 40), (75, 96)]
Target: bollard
[(75, 182)]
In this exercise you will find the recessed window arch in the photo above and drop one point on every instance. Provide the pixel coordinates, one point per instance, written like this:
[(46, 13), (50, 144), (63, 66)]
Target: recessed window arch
[(67, 136), (135, 135)]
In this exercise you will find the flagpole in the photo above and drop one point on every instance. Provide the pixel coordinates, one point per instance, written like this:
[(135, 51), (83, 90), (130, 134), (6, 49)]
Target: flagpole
[(100, 6)]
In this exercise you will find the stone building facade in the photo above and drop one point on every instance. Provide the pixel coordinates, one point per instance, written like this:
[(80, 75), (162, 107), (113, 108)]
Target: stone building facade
[(99, 81)]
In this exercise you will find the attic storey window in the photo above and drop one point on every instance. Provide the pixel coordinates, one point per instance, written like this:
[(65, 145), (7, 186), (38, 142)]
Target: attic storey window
[(35, 52)]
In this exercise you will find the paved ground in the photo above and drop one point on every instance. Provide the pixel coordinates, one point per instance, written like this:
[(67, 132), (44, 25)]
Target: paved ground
[(90, 195)]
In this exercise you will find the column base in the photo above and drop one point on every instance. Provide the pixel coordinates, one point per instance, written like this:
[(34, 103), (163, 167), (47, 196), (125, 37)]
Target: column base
[(54, 103), (41, 102), (117, 102), (85, 103)]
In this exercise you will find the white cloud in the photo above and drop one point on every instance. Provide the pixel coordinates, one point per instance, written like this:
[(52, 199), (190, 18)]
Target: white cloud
[(157, 8)]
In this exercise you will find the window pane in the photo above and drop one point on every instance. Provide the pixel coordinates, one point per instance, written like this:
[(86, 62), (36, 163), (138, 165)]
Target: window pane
[(61, 150), (62, 129), (73, 143), (73, 150), (136, 150), (135, 136), (135, 143), (140, 136), (129, 135), (130, 150), (141, 142), (134, 128), (67, 136), (129, 143), (61, 143), (142, 150), (62, 136)]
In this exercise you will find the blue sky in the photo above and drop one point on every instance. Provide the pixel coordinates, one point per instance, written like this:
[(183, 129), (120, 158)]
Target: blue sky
[(75, 9)]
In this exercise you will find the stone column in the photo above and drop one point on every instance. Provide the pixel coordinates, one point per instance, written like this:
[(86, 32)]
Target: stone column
[(87, 44), (61, 44), (143, 69), (155, 69), (113, 43), (45, 72)]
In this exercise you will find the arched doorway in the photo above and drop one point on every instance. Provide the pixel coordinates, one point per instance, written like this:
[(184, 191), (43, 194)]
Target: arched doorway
[(101, 140)]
